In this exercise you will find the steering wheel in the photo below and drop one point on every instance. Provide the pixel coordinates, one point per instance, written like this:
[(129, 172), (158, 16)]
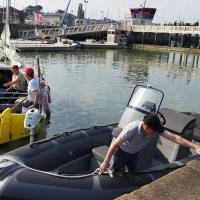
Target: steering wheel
[(162, 118)]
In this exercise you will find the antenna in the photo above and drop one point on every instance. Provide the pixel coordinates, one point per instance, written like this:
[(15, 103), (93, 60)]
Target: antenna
[(145, 3)]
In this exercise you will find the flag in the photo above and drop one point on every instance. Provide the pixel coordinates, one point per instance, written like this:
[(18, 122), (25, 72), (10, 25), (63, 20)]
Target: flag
[(38, 18)]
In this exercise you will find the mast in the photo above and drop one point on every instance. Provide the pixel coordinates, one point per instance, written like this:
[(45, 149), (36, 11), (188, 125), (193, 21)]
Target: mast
[(145, 3), (7, 21), (7, 11)]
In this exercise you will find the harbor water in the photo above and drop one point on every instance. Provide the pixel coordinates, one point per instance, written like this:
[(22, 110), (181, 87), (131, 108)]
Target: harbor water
[(92, 87)]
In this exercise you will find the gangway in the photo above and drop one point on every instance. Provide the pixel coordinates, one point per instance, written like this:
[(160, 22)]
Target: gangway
[(64, 31)]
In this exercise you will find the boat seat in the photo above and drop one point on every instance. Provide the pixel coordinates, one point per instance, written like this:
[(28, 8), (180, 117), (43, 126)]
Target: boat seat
[(180, 124), (100, 153), (196, 134)]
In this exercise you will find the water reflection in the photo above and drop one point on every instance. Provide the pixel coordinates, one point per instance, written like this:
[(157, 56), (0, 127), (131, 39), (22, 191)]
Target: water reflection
[(92, 87)]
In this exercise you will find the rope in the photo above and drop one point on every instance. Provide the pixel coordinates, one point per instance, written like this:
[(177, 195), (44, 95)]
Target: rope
[(8, 158)]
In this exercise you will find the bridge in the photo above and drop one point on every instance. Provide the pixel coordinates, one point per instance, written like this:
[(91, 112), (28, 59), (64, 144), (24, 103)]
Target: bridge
[(64, 31)]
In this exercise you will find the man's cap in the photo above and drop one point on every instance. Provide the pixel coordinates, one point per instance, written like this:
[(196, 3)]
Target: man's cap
[(29, 71), (153, 122)]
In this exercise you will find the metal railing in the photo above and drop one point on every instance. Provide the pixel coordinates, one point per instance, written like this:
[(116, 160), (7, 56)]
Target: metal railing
[(164, 29), (30, 34)]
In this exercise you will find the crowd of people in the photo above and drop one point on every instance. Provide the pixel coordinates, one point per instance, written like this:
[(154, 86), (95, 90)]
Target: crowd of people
[(181, 23), (38, 92)]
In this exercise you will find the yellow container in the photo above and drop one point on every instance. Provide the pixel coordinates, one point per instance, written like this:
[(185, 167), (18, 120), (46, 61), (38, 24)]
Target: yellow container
[(12, 126)]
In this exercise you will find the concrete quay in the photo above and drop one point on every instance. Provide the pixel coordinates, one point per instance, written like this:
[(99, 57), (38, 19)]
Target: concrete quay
[(164, 48), (182, 184)]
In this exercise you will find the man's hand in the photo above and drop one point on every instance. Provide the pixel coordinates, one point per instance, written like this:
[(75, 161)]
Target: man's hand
[(197, 149), (30, 107), (104, 166), (8, 89), (6, 84)]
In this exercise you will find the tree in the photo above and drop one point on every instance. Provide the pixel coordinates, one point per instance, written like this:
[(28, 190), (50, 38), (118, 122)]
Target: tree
[(80, 13), (31, 9)]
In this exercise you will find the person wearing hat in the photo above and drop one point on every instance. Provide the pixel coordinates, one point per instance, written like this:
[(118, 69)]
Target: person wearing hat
[(133, 138), (33, 89)]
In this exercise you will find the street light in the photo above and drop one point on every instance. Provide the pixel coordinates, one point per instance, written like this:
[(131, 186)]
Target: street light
[(102, 11), (85, 1)]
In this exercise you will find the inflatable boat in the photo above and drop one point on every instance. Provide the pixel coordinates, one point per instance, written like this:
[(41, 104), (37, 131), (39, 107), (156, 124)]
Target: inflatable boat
[(66, 165)]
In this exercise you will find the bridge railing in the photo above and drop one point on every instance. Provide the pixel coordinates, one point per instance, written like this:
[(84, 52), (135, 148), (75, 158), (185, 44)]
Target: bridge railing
[(29, 34), (89, 28), (165, 29)]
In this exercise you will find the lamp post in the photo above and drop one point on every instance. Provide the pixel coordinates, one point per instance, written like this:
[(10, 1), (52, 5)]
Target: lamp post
[(85, 1), (102, 11)]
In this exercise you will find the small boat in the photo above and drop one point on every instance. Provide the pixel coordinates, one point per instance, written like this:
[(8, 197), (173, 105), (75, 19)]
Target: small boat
[(114, 40), (32, 46), (11, 123), (65, 166)]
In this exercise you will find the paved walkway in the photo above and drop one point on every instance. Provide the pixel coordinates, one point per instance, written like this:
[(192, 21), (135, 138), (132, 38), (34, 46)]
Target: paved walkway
[(182, 184)]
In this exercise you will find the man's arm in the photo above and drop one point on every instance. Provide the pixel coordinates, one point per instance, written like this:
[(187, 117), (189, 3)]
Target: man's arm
[(10, 83), (115, 144), (180, 140)]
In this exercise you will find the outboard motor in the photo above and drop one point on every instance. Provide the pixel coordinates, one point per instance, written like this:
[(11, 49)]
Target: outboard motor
[(32, 118), (143, 100)]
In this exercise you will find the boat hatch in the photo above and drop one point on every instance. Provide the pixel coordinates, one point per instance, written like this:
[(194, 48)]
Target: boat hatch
[(146, 99)]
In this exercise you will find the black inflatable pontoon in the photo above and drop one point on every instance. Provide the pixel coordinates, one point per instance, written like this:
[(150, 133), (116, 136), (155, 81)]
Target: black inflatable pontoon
[(63, 167)]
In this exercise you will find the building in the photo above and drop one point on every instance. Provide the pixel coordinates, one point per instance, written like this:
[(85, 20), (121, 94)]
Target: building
[(15, 16), (54, 19), (79, 22), (140, 16)]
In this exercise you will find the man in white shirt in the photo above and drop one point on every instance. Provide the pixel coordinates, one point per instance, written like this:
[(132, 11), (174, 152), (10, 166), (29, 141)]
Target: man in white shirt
[(133, 138), (33, 89)]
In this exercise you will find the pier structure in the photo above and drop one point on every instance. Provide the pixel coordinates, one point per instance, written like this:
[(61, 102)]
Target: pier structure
[(65, 31), (175, 36)]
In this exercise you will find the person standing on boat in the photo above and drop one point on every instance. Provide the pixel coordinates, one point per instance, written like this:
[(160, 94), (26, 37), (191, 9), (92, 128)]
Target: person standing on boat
[(33, 89), (18, 83), (46, 100), (133, 138)]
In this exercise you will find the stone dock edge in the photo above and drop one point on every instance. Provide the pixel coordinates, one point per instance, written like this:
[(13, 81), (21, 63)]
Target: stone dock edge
[(181, 184), (164, 48)]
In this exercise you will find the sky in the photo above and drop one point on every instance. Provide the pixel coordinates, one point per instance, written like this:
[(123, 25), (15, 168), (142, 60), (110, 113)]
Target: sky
[(167, 10)]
